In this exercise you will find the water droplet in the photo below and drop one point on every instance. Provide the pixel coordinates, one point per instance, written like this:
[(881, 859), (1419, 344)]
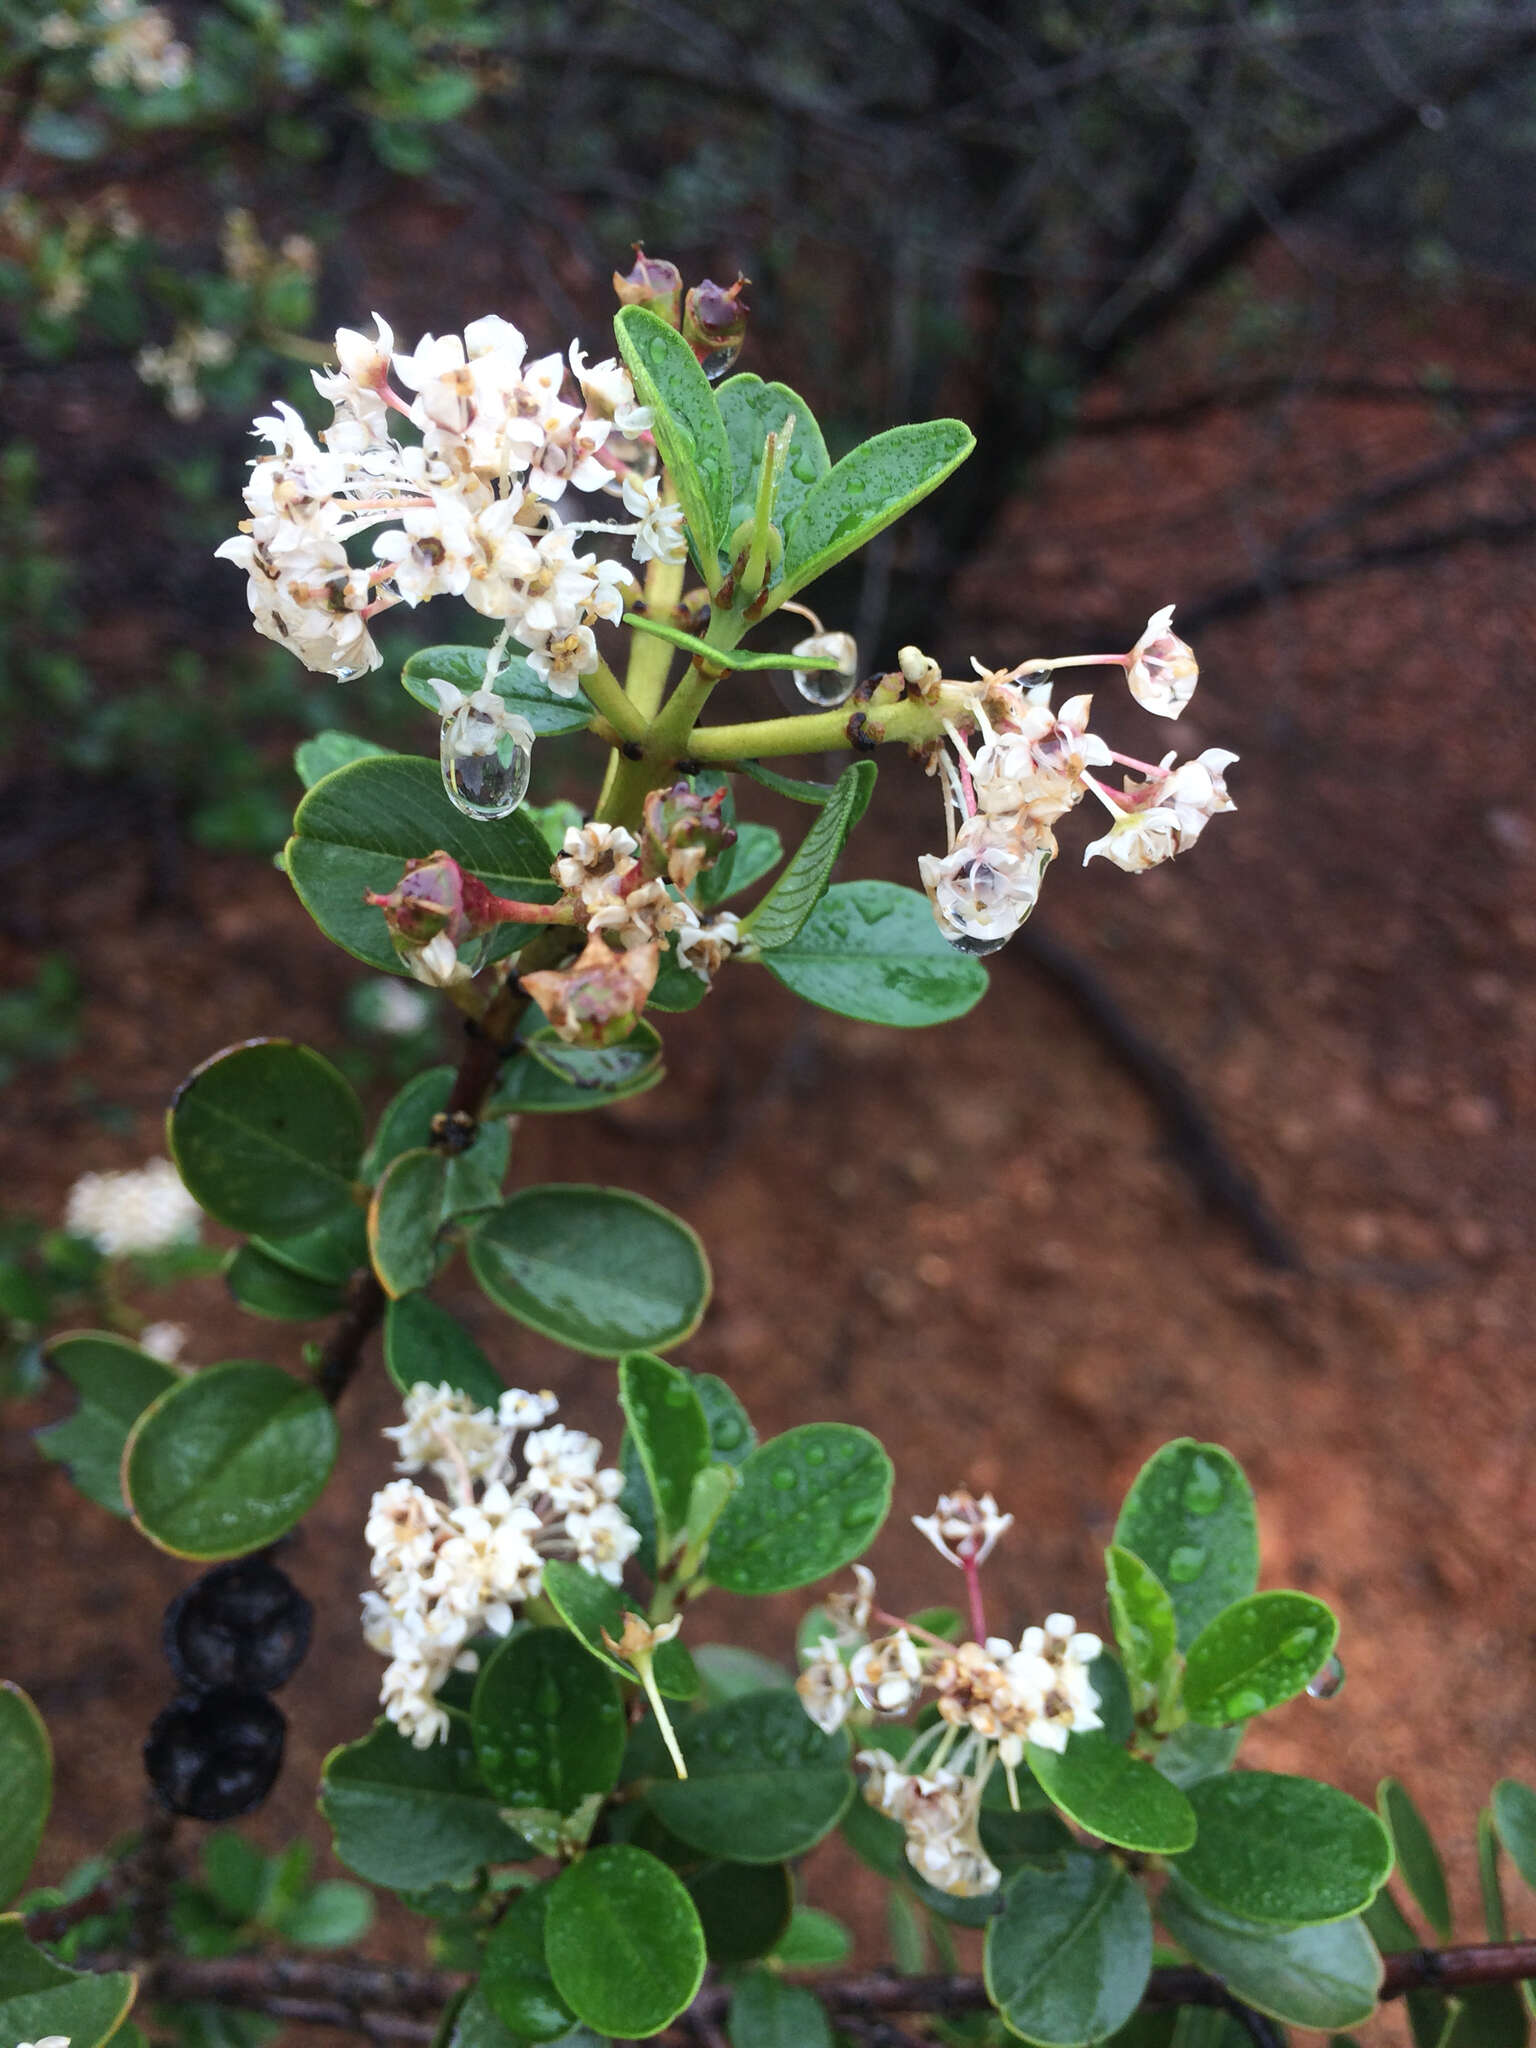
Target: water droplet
[(855, 1519), (547, 1699), (524, 1757), (728, 1433), (968, 943), (719, 360), (1203, 1489), (485, 760), (1241, 1705), (1329, 1681), (678, 1397), (824, 687), (815, 1455), (1299, 1641), (1186, 1562), (784, 1479), (802, 468)]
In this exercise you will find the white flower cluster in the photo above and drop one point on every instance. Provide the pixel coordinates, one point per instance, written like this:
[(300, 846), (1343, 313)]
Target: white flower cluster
[(175, 368), (1004, 796), (940, 1812), (469, 504), (447, 1571), (143, 1210), (599, 869), (134, 45)]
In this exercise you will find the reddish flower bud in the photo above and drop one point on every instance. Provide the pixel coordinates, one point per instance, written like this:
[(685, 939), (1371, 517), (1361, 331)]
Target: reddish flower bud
[(428, 899), (683, 832), (715, 324), (597, 1000), (653, 282)]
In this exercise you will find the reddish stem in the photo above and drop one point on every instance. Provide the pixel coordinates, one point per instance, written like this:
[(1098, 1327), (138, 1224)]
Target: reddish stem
[(972, 1572)]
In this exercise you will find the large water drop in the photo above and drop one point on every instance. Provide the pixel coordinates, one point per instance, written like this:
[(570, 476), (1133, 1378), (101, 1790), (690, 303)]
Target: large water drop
[(827, 686), (486, 753), (1329, 1682), (969, 943), (719, 360)]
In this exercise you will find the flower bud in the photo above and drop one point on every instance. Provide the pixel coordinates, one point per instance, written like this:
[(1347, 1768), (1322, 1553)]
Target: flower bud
[(428, 899), (683, 832), (715, 324), (1161, 668), (598, 999), (653, 282)]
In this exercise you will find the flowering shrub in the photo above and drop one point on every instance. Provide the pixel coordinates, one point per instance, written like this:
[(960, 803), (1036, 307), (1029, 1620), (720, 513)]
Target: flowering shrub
[(605, 1813)]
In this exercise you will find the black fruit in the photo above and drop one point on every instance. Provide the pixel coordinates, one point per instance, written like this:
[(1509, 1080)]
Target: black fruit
[(243, 1624), (216, 1754)]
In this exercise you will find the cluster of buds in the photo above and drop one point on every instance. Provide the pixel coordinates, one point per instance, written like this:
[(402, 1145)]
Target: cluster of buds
[(447, 1571), (712, 318), (141, 1211), (470, 504), (1004, 795), (994, 1698)]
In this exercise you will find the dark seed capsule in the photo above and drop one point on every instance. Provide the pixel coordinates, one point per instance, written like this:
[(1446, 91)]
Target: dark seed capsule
[(216, 1754), (243, 1624)]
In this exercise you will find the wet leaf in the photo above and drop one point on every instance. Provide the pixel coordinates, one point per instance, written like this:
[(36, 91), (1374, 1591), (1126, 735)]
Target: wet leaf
[(408, 1817), (1189, 1517), (1284, 1850), (861, 495), (872, 950), (1099, 1784), (267, 1137), (686, 425), (810, 1501), (624, 1943), (1255, 1654), (548, 1722), (764, 1783), (1068, 1958), (1319, 1976)]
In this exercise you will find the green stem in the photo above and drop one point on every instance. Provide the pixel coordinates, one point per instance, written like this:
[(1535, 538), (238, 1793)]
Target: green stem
[(650, 659), (911, 723), (607, 693)]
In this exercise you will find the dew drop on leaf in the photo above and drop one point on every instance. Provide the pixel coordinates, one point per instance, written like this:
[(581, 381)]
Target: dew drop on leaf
[(1203, 1489), (485, 767), (815, 1455), (784, 1479), (964, 942), (1186, 1563), (1329, 1681), (719, 360), (1242, 1705)]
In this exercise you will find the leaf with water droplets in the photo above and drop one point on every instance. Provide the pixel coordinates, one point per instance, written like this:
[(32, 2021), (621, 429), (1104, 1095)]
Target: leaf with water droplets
[(872, 950), (623, 1941), (1418, 1859), (1143, 1619), (752, 410), (267, 1137), (783, 912), (548, 1722), (1284, 1850), (1256, 1653), (1315, 1976), (1068, 1958), (1189, 1517), (686, 424), (1114, 1795), (810, 1501), (514, 1975), (409, 1817), (516, 684), (588, 1606), (763, 1781), (666, 1421)]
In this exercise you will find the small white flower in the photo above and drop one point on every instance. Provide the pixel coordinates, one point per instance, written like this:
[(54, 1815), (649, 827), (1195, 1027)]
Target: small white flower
[(888, 1674), (165, 1341), (704, 948), (963, 1528), (141, 1211), (825, 1688), (659, 536), (1161, 669)]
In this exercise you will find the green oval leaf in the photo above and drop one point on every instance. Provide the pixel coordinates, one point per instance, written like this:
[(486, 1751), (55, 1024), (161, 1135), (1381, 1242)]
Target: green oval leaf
[(596, 1268), (514, 1974), (516, 684), (1192, 1752), (1256, 1653), (422, 1342), (225, 1461), (408, 1817), (814, 1940), (1189, 1517), (810, 1501), (763, 1781), (1514, 1817), (872, 950), (116, 1382), (548, 1723), (768, 2013), (1143, 1620), (686, 424), (744, 1908), (1068, 1958), (670, 1434), (1284, 1850), (264, 1288), (26, 1786), (588, 1605), (1324, 1976), (328, 751), (783, 912), (333, 1251), (267, 1137), (1099, 1784), (546, 1077), (752, 410), (1417, 1857), (39, 1997), (861, 495), (356, 830), (624, 1943), (404, 1218)]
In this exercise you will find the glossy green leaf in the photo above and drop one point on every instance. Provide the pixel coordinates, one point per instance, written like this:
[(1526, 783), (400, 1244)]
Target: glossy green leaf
[(116, 1382), (860, 496), (686, 425), (332, 1251), (227, 1460), (732, 1439), (671, 1436), (39, 1997), (356, 830), (1418, 1860), (1142, 1616), (743, 660), (1284, 1850), (422, 1342), (872, 950), (1318, 1976), (727, 1671), (763, 1783), (751, 411), (677, 988), (783, 912), (1189, 1517), (548, 1722), (1255, 1654), (331, 1914), (810, 1502), (26, 1786), (514, 1974), (538, 1082), (1192, 1752), (472, 2023), (596, 1268), (267, 1137), (1099, 1784), (744, 1908), (768, 2013), (624, 1943), (1514, 1818), (1068, 1958), (588, 1605), (264, 1288), (516, 684), (475, 1174), (814, 1940), (409, 1817), (758, 850), (315, 757), (404, 1218)]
